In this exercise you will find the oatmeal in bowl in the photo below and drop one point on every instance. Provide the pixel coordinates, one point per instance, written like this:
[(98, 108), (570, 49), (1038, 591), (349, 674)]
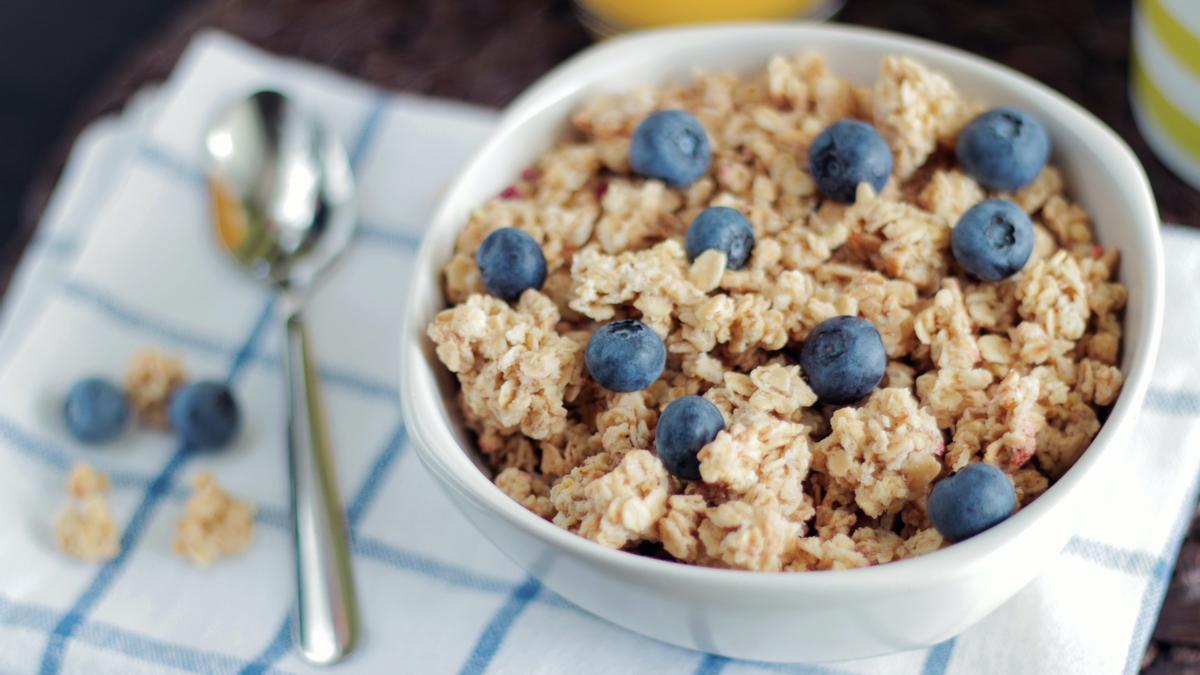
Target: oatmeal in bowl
[(846, 294), (720, 301)]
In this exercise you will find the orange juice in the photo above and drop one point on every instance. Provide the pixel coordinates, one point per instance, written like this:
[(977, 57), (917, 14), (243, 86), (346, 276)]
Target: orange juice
[(632, 14)]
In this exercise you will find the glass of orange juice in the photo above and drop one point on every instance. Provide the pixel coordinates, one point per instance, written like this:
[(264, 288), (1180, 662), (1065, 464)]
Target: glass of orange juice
[(607, 17)]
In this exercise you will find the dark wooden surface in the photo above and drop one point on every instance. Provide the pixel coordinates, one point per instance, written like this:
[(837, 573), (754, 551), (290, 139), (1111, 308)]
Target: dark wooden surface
[(487, 52)]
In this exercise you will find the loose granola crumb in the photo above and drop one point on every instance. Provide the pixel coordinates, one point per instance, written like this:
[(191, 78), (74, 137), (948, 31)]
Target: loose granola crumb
[(214, 524), (85, 528), (84, 481), (152, 378)]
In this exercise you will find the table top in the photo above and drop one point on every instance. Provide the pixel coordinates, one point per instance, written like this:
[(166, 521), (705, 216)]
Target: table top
[(487, 52)]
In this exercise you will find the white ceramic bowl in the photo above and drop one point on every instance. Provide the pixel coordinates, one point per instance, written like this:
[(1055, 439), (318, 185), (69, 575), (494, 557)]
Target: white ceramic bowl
[(812, 616)]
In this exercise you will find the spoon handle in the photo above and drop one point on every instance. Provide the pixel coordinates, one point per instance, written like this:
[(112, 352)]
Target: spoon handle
[(326, 619)]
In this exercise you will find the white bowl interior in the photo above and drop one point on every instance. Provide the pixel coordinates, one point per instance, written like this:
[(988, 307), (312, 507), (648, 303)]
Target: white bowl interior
[(1100, 171)]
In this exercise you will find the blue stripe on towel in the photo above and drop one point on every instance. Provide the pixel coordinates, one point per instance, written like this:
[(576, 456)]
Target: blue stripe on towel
[(185, 337), (413, 561), (1155, 591), (57, 246), (44, 451), (497, 629), (1134, 563), (711, 664), (279, 645), (366, 493), (1182, 403), (367, 130), (162, 158), (388, 237), (112, 638), (938, 658)]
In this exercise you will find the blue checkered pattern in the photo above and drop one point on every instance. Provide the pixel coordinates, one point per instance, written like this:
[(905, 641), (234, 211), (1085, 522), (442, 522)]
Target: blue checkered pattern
[(436, 598)]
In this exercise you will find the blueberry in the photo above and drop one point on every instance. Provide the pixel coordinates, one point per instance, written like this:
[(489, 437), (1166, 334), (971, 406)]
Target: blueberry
[(96, 410), (970, 501), (724, 229), (846, 153), (625, 356), (1003, 149), (205, 414), (843, 359), (670, 145), (688, 424), (992, 240), (510, 261)]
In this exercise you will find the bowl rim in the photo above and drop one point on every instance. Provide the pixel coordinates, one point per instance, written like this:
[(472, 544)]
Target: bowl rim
[(455, 469)]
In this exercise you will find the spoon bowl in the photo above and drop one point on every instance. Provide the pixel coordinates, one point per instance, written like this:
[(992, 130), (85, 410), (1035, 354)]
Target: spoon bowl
[(282, 188)]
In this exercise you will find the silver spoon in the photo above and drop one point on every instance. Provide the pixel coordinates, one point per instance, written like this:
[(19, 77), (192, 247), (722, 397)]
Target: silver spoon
[(283, 204)]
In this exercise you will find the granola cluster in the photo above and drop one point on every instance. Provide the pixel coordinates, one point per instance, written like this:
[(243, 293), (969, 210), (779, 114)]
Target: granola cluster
[(152, 379), (214, 524), (1015, 373), (85, 528)]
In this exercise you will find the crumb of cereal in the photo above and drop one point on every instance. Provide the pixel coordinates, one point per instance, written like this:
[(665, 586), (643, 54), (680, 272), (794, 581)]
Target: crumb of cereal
[(85, 528), (758, 449), (151, 380), (949, 193), (1068, 430), (747, 535), (527, 490), (915, 108), (1099, 382), (707, 269), (513, 367), (1001, 431), (1029, 484), (1047, 184), (84, 481), (1054, 295), (898, 239), (924, 541), (214, 524), (620, 506), (679, 529), (838, 552), (887, 451)]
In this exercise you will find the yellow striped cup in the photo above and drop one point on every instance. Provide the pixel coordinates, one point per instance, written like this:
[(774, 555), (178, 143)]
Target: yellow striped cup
[(1165, 82)]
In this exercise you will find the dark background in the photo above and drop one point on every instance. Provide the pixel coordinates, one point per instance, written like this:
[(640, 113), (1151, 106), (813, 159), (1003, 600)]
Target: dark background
[(53, 54), (63, 62)]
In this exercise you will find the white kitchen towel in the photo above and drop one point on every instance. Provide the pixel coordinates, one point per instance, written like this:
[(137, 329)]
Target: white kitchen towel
[(125, 260)]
